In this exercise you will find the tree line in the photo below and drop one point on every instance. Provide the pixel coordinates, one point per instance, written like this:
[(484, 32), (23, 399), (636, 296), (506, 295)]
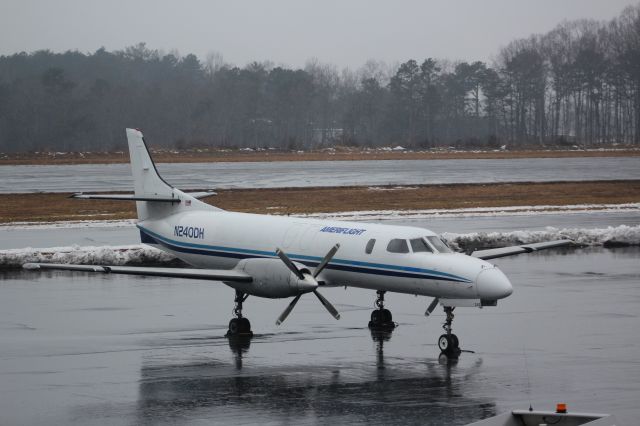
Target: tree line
[(578, 84)]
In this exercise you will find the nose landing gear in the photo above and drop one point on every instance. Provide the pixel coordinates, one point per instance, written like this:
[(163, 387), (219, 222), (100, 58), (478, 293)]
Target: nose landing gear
[(448, 342), (381, 318), (239, 326)]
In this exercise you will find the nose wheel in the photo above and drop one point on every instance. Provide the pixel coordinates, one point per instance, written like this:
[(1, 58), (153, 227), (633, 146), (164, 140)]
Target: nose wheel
[(381, 318), (239, 326), (448, 342)]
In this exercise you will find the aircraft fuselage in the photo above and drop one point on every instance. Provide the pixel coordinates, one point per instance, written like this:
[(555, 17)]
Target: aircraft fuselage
[(221, 239)]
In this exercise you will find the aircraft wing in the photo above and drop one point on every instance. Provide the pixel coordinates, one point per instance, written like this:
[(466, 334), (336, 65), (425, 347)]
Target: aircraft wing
[(187, 273), (525, 248)]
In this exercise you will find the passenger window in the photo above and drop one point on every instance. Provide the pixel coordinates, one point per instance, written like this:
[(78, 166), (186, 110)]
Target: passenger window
[(439, 244), (398, 246), (418, 245), (370, 244)]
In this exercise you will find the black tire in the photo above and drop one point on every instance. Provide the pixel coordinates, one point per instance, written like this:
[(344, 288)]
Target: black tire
[(444, 343), (386, 316), (234, 326), (376, 317), (455, 343), (245, 325)]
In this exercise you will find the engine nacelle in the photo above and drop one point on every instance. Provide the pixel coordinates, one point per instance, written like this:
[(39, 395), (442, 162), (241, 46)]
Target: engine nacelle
[(272, 279)]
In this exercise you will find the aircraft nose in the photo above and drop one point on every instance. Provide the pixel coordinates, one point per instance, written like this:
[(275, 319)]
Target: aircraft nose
[(492, 284)]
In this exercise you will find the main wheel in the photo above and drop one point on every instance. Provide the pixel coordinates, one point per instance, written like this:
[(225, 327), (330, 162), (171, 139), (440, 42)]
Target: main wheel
[(234, 326), (244, 325), (376, 316), (444, 343), (386, 316)]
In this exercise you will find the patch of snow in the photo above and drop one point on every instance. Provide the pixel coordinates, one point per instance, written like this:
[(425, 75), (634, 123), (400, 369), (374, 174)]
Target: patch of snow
[(69, 224), (394, 188), (136, 254), (622, 235)]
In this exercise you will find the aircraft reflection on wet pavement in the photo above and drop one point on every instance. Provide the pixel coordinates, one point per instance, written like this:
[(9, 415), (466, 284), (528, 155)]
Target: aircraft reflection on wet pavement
[(355, 393)]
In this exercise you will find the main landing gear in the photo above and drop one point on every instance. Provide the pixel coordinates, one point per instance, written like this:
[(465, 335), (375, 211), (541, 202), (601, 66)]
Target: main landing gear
[(239, 326), (448, 342), (381, 318)]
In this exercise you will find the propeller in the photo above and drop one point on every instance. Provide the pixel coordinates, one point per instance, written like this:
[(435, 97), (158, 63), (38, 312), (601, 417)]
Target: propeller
[(431, 307), (298, 273)]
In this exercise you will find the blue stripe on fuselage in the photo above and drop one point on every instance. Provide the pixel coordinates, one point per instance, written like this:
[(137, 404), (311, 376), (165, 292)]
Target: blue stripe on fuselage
[(150, 237)]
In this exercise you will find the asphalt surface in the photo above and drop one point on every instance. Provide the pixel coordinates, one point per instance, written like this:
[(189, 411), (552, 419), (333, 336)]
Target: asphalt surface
[(117, 177), (85, 349)]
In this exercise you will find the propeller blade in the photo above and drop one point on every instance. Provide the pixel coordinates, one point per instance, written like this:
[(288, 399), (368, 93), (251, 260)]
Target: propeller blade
[(283, 316), (333, 311), (282, 255), (431, 307), (326, 260)]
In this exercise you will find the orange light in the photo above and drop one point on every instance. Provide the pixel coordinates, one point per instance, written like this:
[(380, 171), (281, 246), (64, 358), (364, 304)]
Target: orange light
[(561, 408)]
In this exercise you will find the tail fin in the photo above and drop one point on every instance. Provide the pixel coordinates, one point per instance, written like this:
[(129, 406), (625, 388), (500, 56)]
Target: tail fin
[(146, 179), (149, 185)]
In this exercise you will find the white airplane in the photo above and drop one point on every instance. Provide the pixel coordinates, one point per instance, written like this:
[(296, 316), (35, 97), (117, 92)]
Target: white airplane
[(287, 257)]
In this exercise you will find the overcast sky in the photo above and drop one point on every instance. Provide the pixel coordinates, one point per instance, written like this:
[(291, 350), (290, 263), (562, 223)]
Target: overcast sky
[(342, 32)]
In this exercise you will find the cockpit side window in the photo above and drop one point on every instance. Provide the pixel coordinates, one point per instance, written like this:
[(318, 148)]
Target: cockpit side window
[(370, 244), (418, 245), (398, 245), (439, 244)]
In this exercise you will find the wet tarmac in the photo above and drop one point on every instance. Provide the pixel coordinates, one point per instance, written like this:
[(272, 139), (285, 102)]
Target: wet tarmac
[(117, 177), (85, 349)]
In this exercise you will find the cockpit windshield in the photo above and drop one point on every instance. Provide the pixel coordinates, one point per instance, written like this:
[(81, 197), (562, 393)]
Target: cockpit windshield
[(438, 244), (418, 245)]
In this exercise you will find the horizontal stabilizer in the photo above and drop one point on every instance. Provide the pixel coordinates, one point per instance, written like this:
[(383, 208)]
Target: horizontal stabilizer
[(525, 248), (124, 197), (132, 197), (186, 273)]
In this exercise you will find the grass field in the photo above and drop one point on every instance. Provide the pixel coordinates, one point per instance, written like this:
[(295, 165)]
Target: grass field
[(57, 207)]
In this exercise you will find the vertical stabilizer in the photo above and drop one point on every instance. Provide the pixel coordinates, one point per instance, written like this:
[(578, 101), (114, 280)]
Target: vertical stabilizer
[(147, 180), (149, 184)]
